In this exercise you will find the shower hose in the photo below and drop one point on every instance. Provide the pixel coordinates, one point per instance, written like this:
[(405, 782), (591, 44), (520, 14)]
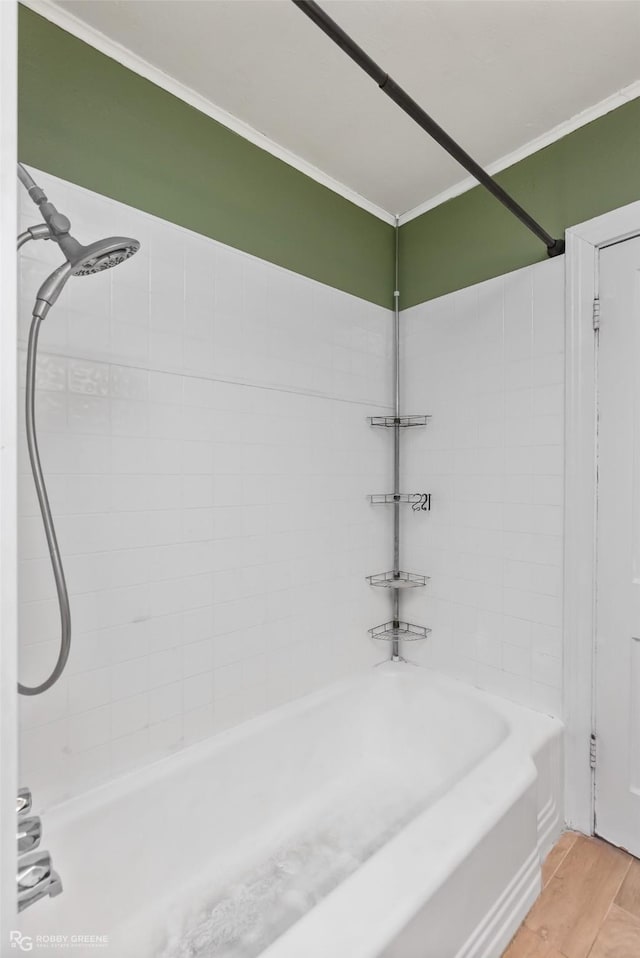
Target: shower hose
[(47, 519)]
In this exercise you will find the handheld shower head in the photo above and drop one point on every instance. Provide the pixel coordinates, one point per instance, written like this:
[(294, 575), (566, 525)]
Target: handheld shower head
[(81, 260), (104, 254)]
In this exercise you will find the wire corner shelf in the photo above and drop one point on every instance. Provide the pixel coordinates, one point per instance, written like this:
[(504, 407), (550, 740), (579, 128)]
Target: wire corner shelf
[(397, 580), (421, 501), (392, 631), (403, 421)]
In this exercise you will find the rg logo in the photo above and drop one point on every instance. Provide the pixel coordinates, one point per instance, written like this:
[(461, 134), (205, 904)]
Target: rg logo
[(23, 942)]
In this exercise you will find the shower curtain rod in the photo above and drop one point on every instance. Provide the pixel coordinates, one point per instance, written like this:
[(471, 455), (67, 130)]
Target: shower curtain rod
[(399, 96)]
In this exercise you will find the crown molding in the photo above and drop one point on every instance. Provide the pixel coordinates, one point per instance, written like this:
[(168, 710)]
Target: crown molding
[(73, 25), (533, 146)]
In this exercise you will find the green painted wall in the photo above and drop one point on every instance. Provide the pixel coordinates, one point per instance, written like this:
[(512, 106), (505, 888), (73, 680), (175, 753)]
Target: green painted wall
[(86, 118), (472, 237)]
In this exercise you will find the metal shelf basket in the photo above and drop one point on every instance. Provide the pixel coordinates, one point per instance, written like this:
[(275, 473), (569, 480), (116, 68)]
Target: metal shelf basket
[(403, 421), (392, 631), (400, 580), (411, 497)]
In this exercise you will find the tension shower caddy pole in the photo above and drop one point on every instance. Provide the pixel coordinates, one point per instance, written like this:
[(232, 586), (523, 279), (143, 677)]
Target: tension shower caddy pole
[(395, 630), (395, 646)]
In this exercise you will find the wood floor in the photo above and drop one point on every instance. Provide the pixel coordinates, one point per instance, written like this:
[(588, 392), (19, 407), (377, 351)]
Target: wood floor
[(589, 906)]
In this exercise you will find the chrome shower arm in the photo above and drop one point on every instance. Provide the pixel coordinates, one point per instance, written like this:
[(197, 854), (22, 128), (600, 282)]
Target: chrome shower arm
[(59, 225), (35, 192)]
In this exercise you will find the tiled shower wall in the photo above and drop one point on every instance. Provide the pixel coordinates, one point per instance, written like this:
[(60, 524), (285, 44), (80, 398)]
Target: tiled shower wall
[(202, 419), (487, 362)]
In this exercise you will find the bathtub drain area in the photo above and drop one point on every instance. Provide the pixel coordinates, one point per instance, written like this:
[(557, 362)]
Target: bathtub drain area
[(261, 901)]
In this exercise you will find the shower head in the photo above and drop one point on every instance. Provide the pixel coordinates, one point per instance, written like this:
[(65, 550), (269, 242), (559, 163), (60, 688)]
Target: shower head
[(80, 260), (87, 260)]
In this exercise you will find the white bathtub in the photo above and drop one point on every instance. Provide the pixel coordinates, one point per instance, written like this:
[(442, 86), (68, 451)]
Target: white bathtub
[(399, 814)]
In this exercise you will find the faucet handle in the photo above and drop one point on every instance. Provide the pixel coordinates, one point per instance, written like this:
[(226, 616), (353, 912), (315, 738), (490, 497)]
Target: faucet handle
[(29, 833), (23, 803), (33, 869), (36, 878)]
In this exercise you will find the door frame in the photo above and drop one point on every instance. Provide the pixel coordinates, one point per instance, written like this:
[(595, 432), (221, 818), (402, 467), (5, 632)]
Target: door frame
[(580, 560), (8, 499)]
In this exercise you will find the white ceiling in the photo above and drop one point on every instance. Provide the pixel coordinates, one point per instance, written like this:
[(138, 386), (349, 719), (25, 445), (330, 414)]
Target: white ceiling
[(496, 75)]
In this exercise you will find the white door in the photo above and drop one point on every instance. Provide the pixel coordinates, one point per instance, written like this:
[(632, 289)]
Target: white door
[(617, 716)]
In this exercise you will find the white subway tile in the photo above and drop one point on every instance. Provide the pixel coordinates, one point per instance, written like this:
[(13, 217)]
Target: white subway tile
[(488, 363), (164, 667), (197, 657), (129, 751), (165, 702), (198, 690), (90, 729), (88, 378), (130, 305), (516, 659), (197, 723), (128, 383), (546, 669), (517, 631), (88, 690), (166, 736), (129, 715), (129, 678), (547, 639), (37, 710)]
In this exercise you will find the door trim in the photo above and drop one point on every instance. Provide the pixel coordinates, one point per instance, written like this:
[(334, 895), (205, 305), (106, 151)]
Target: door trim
[(8, 501), (582, 255)]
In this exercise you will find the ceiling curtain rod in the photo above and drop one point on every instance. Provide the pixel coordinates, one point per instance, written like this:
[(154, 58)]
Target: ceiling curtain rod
[(395, 92)]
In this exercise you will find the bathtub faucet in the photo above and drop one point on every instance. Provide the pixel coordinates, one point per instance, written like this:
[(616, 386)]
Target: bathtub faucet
[(36, 877)]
